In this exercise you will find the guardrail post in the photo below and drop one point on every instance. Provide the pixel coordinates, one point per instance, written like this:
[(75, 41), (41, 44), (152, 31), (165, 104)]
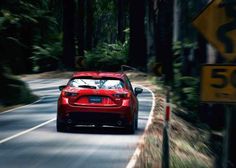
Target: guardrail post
[(165, 144)]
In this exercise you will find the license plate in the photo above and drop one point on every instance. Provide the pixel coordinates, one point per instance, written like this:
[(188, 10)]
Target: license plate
[(95, 99)]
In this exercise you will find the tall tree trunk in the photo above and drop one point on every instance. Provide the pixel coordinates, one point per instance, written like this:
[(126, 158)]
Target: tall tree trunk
[(151, 48), (68, 57), (200, 53), (137, 50), (183, 34), (121, 20), (176, 20), (89, 25), (80, 28), (164, 38)]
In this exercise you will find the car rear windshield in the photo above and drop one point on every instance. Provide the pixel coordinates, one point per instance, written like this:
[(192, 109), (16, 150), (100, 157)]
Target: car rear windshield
[(97, 83)]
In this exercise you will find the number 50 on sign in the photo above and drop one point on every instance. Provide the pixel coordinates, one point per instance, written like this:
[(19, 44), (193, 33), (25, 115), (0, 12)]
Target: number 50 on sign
[(218, 83)]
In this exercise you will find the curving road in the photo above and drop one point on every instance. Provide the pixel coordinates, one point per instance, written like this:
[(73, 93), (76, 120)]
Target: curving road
[(28, 137)]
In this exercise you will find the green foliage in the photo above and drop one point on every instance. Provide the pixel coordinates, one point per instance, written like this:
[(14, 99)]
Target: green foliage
[(46, 57), (190, 155), (13, 91), (179, 46), (107, 57), (105, 21), (186, 90), (23, 25)]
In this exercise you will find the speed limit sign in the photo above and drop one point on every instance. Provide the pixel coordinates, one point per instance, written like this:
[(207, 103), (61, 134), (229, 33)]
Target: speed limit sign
[(218, 83)]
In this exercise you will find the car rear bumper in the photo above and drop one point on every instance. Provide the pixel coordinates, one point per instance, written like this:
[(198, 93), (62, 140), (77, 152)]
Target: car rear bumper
[(77, 115), (92, 118)]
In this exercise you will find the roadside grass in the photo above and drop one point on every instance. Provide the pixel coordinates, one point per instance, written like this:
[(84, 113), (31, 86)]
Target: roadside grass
[(189, 145), (181, 161)]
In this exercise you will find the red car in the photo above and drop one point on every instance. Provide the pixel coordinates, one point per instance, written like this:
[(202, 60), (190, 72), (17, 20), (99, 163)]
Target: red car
[(98, 98)]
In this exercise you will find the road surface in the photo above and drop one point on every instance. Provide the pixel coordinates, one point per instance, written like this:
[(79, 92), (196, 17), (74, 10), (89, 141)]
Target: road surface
[(28, 136)]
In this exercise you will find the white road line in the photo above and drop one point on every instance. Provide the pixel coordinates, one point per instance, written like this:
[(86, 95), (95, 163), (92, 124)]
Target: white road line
[(137, 152), (4, 112), (26, 131)]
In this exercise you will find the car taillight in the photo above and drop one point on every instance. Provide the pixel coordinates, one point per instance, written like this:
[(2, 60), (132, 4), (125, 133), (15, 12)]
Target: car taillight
[(69, 94), (121, 95)]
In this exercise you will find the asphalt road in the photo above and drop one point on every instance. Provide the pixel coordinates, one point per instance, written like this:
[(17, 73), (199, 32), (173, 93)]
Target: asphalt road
[(28, 136)]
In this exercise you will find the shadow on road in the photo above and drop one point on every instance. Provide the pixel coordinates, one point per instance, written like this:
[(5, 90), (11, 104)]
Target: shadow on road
[(99, 130)]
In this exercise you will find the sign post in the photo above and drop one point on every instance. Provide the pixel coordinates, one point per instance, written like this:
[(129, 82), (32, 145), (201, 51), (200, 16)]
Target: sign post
[(218, 85), (217, 23), (165, 144)]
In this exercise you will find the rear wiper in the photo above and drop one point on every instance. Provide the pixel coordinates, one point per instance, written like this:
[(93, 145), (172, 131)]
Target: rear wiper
[(88, 86)]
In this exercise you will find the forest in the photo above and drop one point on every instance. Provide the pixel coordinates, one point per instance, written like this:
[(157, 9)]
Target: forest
[(153, 36)]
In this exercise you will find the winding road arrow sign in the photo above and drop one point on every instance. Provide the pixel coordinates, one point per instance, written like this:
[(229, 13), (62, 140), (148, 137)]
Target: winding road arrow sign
[(217, 23)]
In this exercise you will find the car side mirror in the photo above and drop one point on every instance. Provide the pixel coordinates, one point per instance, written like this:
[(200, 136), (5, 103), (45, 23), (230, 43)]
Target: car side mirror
[(61, 87), (138, 90)]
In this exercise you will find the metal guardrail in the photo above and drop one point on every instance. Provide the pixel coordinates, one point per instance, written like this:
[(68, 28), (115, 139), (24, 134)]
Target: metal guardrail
[(123, 67)]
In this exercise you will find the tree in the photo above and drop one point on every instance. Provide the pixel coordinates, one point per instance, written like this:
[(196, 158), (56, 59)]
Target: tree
[(68, 58), (137, 50), (56, 7), (121, 20), (151, 48), (164, 28), (89, 25), (80, 28), (105, 22), (193, 46)]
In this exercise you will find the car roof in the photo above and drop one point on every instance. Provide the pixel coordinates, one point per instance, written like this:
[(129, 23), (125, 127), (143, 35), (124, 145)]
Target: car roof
[(97, 74)]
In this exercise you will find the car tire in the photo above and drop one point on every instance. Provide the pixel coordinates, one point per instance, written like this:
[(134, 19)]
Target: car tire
[(136, 122), (61, 127), (131, 128)]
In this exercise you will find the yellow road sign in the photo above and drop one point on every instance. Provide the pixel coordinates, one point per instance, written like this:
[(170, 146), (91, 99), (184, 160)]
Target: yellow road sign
[(218, 83), (217, 23)]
